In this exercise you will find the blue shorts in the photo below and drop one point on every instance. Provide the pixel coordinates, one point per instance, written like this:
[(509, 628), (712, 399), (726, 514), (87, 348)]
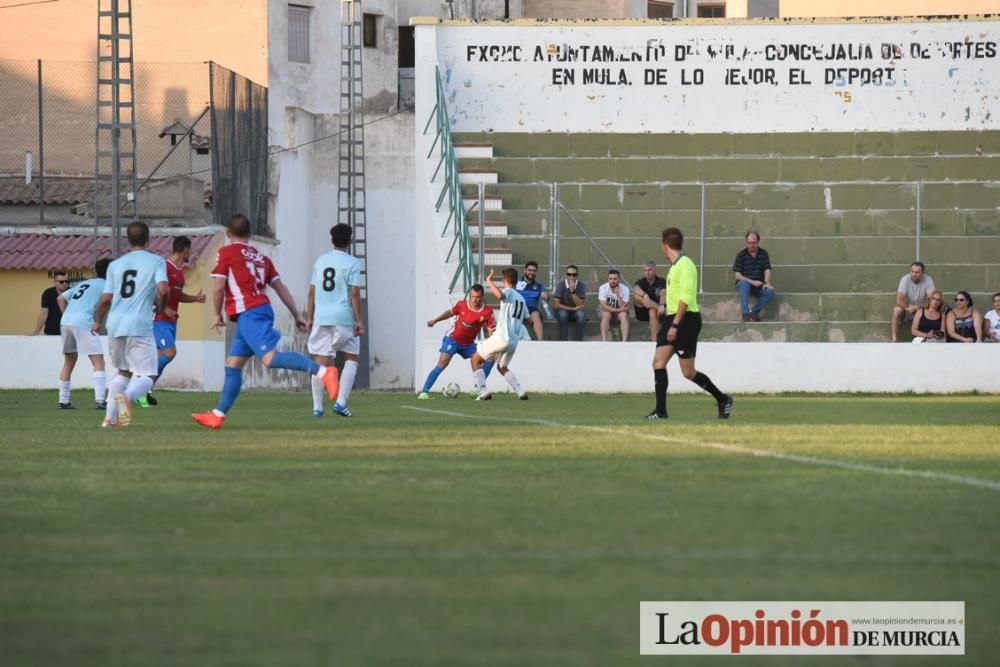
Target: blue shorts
[(165, 334), (449, 346), (255, 333)]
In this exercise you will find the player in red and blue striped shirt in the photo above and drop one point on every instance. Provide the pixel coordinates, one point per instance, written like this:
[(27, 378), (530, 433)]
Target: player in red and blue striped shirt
[(470, 316), (242, 275)]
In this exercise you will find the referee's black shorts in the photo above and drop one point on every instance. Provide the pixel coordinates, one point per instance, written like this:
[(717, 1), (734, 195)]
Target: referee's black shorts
[(686, 343)]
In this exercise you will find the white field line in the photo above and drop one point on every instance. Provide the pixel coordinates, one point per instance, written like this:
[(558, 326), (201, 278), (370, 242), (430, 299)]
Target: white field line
[(975, 482), (749, 554)]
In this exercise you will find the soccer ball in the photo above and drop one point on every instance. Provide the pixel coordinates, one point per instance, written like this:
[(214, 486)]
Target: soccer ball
[(451, 390)]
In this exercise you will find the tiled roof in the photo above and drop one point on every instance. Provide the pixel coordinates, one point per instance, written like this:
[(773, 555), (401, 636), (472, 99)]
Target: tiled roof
[(47, 251), (59, 191)]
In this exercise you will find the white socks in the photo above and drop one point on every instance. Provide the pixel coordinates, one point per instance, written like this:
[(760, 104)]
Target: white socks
[(346, 385), (514, 384), (118, 385), (319, 390), (133, 388), (64, 391), (479, 377), (139, 386), (100, 385), (346, 382)]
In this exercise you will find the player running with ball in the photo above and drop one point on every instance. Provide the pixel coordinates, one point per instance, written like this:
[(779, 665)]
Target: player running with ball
[(471, 316)]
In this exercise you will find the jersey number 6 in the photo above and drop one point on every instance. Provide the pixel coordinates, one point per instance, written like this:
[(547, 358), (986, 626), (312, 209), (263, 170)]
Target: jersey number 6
[(128, 283)]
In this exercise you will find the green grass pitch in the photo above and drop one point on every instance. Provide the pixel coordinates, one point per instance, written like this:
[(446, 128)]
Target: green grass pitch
[(464, 533)]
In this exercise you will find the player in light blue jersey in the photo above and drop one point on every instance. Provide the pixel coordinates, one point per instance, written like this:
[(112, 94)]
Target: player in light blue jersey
[(501, 346), (136, 284), (78, 304), (335, 317)]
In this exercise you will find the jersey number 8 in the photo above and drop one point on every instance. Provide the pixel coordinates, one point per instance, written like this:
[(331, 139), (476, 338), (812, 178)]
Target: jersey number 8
[(329, 283)]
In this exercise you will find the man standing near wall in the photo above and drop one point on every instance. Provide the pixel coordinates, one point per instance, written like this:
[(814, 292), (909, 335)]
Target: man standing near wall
[(910, 296), (752, 269), (679, 328), (49, 315)]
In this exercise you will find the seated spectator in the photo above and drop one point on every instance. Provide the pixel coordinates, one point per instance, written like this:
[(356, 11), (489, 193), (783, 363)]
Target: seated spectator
[(964, 323), (533, 292), (911, 295), (991, 322), (752, 268), (647, 296), (613, 297), (928, 322), (570, 300)]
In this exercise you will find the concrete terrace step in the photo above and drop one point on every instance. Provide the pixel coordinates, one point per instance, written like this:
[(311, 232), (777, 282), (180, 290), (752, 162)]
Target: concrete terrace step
[(492, 257), (752, 169), (789, 332), (473, 150), (475, 176), (490, 229), (826, 197), (825, 271), (491, 202), (812, 144), (770, 224)]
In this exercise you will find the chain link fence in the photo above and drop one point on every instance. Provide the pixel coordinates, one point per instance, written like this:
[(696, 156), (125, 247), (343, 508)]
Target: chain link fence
[(48, 142), (240, 159)]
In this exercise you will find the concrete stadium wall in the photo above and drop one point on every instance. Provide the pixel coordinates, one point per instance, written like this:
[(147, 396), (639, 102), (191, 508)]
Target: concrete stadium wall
[(914, 74), (34, 362), (741, 368)]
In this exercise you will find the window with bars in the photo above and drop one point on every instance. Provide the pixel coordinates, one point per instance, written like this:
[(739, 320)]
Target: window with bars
[(657, 9), (711, 11), (298, 33)]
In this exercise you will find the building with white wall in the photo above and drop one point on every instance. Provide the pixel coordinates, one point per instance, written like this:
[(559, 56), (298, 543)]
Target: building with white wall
[(404, 286)]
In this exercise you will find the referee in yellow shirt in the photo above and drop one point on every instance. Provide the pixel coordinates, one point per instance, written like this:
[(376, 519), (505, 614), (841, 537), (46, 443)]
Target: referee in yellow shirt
[(680, 324)]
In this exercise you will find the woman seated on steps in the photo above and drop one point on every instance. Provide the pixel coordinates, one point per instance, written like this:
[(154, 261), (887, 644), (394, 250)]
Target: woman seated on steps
[(928, 322), (963, 323)]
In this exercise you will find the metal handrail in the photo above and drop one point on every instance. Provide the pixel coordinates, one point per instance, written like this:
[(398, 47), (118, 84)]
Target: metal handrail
[(452, 189)]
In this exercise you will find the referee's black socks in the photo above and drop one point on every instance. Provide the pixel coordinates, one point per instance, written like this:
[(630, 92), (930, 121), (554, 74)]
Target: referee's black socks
[(702, 381), (660, 380)]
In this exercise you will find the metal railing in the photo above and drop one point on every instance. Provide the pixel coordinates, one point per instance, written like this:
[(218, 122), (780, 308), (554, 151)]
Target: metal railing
[(562, 218), (451, 190)]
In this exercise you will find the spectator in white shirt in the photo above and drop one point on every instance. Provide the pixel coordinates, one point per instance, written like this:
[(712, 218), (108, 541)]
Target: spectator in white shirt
[(614, 299)]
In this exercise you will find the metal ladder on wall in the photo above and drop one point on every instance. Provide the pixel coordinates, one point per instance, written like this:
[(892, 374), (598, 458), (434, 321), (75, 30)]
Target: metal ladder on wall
[(351, 180), (115, 170)]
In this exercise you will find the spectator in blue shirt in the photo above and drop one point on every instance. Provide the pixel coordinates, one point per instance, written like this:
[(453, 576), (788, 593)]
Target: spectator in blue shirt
[(752, 269), (533, 292)]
